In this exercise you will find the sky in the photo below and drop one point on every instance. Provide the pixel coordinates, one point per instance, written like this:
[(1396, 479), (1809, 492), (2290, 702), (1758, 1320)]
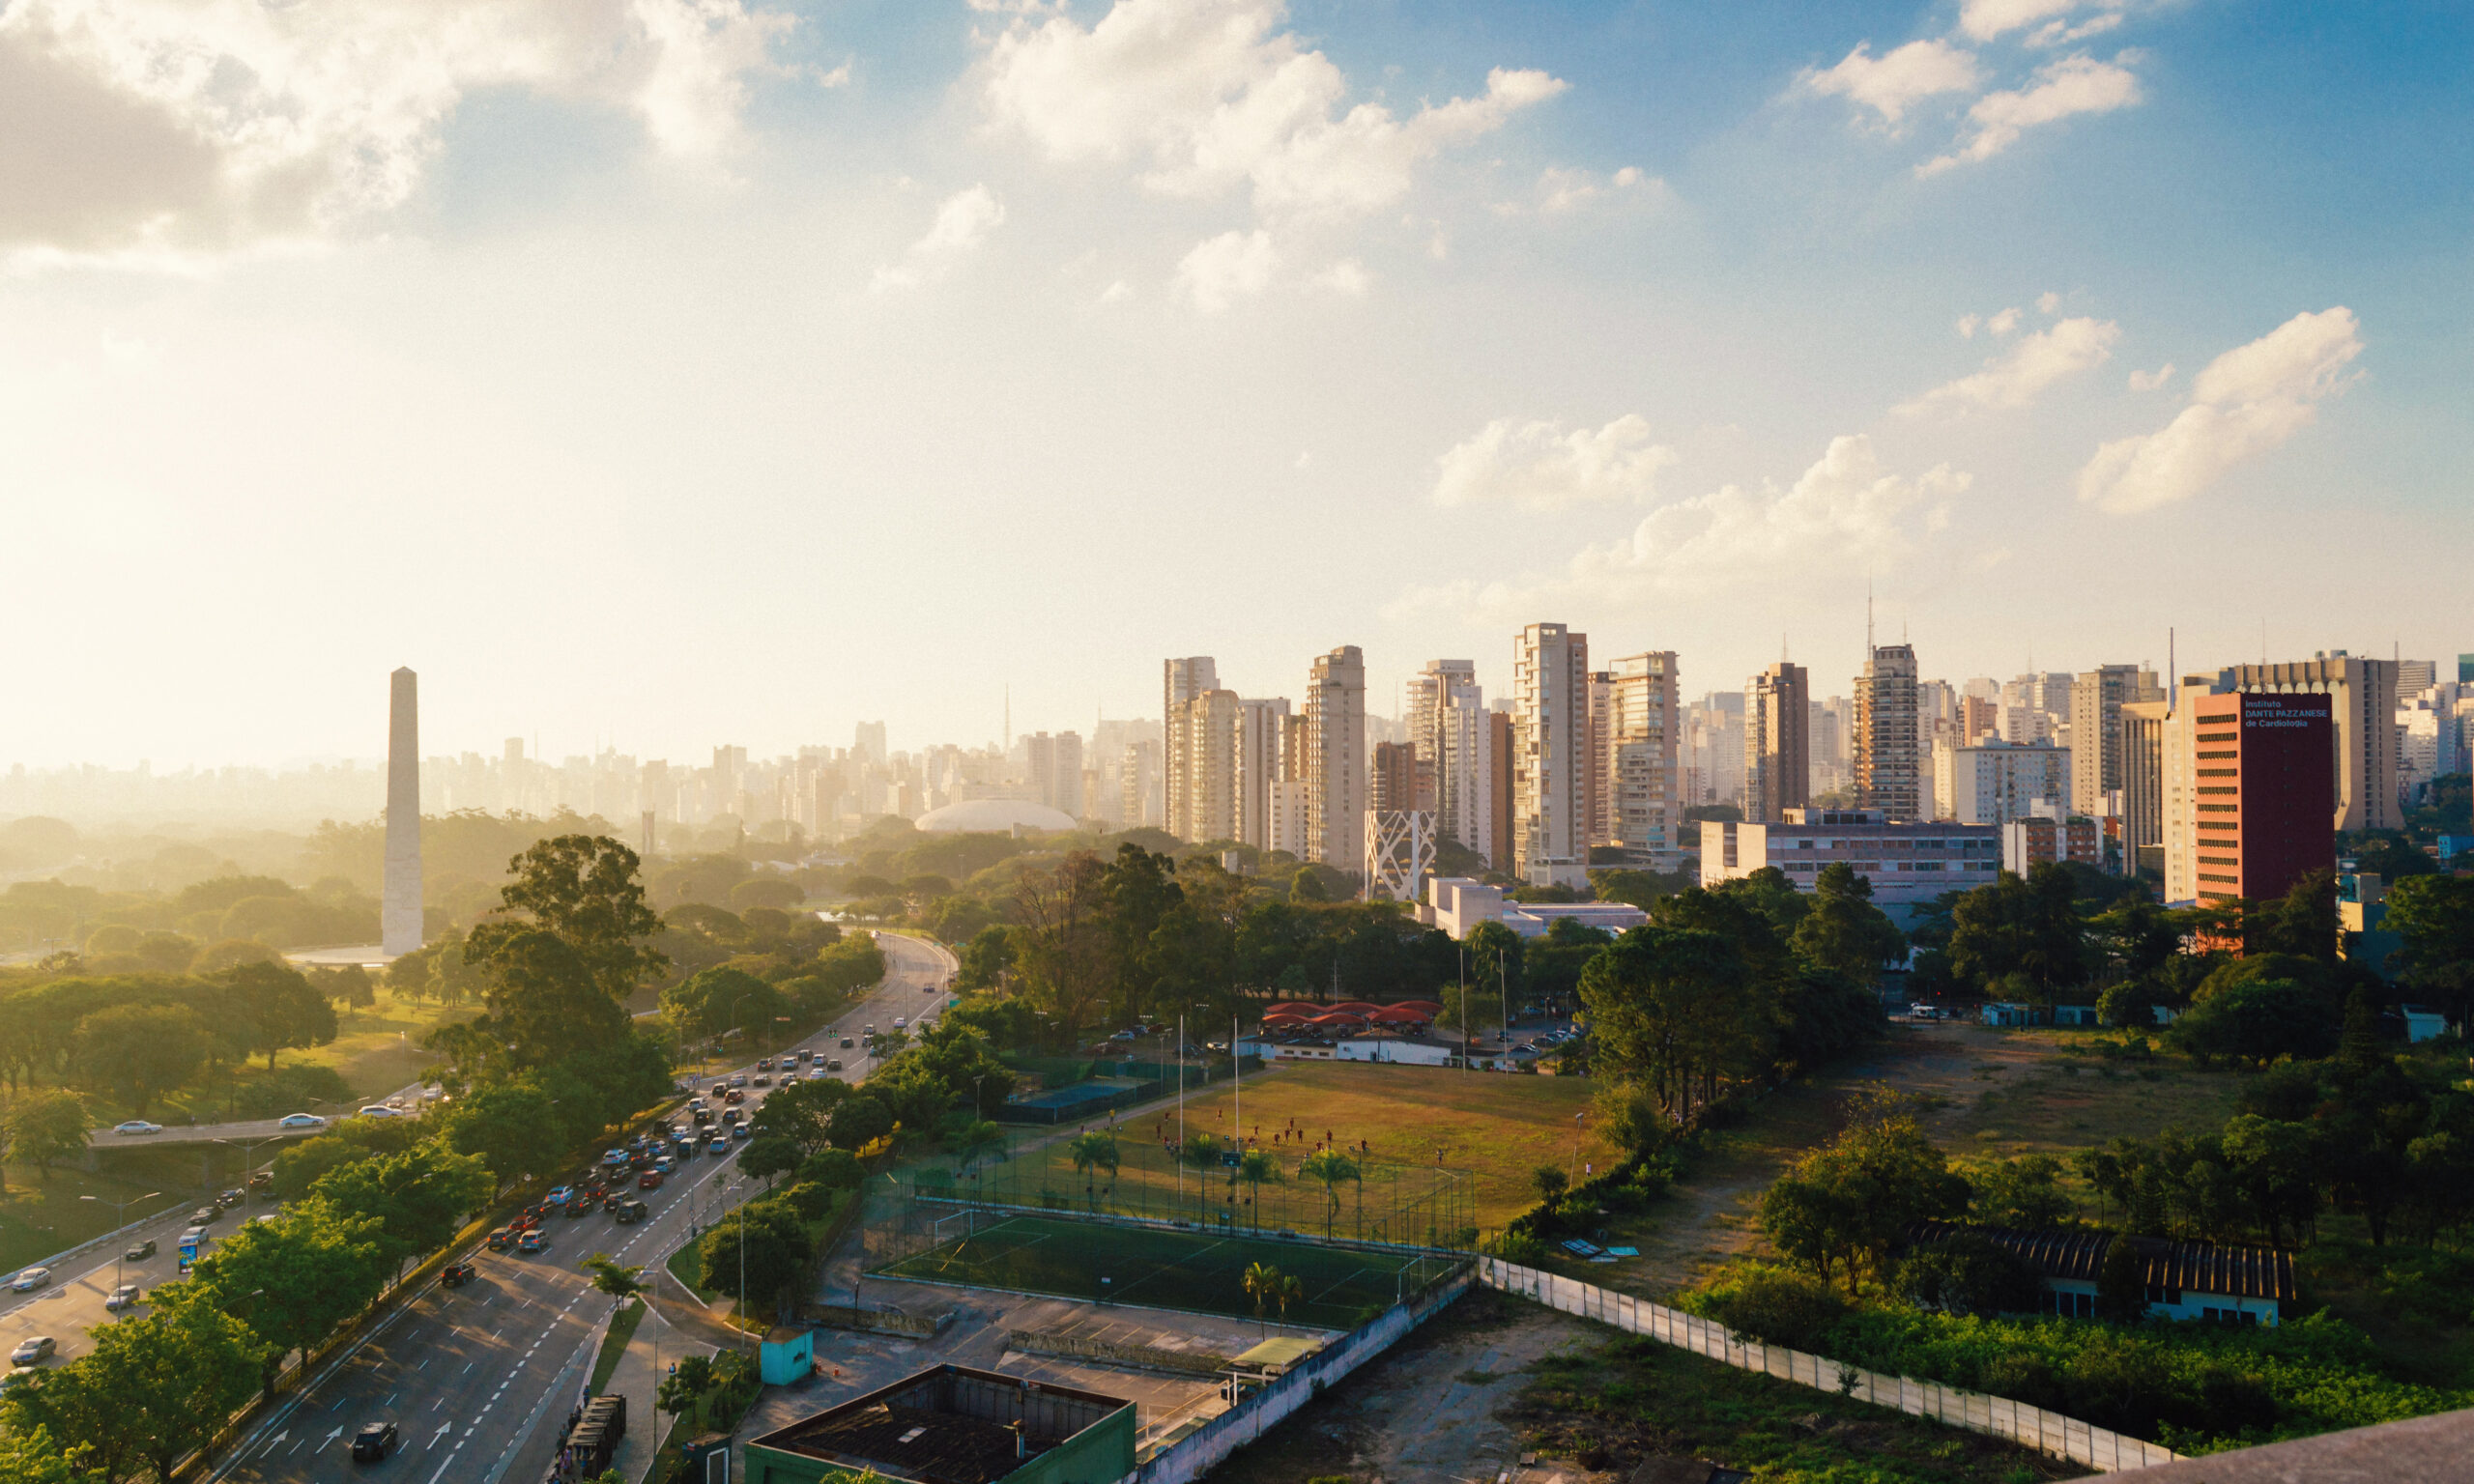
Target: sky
[(661, 373)]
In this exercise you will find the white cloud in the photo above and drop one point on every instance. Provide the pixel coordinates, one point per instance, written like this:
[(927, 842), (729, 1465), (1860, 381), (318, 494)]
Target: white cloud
[(1540, 466), (2048, 302), (2004, 323), (1231, 266), (2018, 376), (1985, 19), (2074, 85), (161, 127), (1897, 81), (963, 222), (1209, 95), (2248, 401), (1348, 276), (1561, 190), (1967, 324), (1843, 515), (1116, 292), (2061, 32), (2150, 381)]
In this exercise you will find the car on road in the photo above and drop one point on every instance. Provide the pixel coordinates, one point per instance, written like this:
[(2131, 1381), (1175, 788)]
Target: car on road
[(139, 1252), (301, 1121), (834, 1065), (381, 1110), (735, 1098), (763, 1079), (230, 1198), (137, 1126), (738, 1080), (702, 1117), (264, 1179), (899, 1022), (629, 1212), (34, 1350), (615, 1158), (580, 1207), (650, 1180), (125, 1297), (29, 1279), (457, 1274), (501, 1240), (532, 1240), (742, 1131), (195, 1237), (719, 1146), (848, 1042), (765, 1064), (374, 1442), (205, 1215)]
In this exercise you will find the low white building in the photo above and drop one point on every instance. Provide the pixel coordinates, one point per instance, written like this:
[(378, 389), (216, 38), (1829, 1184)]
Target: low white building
[(1907, 865), (1457, 904)]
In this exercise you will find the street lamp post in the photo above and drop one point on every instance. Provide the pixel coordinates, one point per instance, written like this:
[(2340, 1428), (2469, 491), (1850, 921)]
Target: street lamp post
[(120, 1210), (250, 1160)]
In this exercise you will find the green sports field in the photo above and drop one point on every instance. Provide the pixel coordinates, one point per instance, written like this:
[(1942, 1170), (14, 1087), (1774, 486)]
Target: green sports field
[(1192, 1270)]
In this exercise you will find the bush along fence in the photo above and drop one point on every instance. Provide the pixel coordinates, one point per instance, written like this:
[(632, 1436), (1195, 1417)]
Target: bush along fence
[(2045, 1432)]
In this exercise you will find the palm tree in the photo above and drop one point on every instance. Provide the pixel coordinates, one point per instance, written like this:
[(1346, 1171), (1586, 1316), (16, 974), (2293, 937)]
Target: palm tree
[(1263, 1283), (1094, 1151), (1257, 1166), (1331, 1167), (1290, 1290)]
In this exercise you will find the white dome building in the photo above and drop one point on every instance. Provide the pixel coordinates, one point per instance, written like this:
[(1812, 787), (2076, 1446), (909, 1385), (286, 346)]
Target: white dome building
[(993, 816)]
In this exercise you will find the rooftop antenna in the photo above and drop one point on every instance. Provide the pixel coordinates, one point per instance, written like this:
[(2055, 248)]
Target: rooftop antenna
[(1868, 617), (2173, 672)]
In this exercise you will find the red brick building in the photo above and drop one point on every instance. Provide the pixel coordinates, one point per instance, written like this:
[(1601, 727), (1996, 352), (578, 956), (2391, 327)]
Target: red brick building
[(2265, 790)]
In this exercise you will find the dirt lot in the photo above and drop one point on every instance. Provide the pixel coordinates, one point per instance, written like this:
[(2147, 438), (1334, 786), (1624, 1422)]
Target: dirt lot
[(1494, 1386)]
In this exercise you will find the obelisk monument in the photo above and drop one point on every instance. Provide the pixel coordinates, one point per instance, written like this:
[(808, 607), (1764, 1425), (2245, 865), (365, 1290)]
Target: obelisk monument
[(399, 918)]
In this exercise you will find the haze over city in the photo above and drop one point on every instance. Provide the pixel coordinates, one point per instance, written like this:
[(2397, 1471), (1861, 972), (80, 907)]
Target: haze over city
[(677, 374)]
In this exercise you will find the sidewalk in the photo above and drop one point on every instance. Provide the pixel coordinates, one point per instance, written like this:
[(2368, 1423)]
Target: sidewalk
[(654, 1348)]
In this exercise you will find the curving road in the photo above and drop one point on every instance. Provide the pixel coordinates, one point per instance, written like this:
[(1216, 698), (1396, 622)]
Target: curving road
[(478, 1378)]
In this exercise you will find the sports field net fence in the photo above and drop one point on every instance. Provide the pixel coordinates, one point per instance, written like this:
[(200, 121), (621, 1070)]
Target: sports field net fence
[(1210, 1186), (1116, 1260)]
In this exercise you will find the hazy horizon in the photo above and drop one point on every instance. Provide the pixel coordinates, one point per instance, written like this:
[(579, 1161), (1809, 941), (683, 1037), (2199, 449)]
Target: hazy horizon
[(674, 375)]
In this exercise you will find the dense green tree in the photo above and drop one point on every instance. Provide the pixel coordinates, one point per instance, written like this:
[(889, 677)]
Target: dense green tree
[(419, 1198), (295, 1278), (859, 1121), (179, 1372), (2024, 1192), (282, 1009), (2434, 917), (1842, 931), (1844, 1207), (1969, 1274), (299, 1167), (544, 1000), (835, 1169), (2026, 926), (2257, 1021), (1674, 1007), (29, 1454), (585, 890), (47, 1128), (723, 999), (986, 959), (139, 1051), (761, 1249), (509, 1126)]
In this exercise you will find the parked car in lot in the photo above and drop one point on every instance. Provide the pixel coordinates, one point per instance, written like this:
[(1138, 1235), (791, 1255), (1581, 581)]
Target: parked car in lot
[(139, 1251), (34, 1350), (29, 1279), (137, 1126), (374, 1442), (125, 1297), (457, 1274)]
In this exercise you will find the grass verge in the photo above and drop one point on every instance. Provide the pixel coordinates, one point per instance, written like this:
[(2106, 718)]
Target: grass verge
[(614, 1344)]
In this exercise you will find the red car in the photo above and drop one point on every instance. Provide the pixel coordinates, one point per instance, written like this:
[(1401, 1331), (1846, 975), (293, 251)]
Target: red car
[(650, 1180)]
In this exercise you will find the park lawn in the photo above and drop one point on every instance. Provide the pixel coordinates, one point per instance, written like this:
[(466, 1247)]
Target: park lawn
[(614, 1343), (39, 1218), (1498, 1127), (377, 1050), (2082, 1099)]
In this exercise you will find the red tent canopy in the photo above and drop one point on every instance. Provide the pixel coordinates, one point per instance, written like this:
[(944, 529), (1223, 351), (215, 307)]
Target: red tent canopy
[(1430, 1007), (1339, 1017), (1283, 1018), (1293, 1008), (1399, 1015), (1354, 1008)]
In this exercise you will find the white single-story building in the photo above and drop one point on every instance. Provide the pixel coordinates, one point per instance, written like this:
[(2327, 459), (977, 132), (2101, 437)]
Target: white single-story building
[(1457, 904)]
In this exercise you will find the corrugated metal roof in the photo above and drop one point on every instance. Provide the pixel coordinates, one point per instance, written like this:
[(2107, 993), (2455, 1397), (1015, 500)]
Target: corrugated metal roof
[(2079, 1254)]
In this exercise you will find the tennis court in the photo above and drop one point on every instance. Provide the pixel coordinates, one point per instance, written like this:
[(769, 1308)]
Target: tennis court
[(1198, 1272)]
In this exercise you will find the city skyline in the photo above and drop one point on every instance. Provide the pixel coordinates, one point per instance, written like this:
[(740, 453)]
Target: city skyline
[(1678, 327)]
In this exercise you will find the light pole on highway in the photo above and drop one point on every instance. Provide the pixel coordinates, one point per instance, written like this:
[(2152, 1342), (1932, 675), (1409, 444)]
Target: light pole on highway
[(250, 1156), (120, 1210)]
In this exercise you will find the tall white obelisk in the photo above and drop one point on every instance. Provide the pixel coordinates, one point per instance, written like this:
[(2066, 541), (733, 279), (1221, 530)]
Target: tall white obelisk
[(400, 917)]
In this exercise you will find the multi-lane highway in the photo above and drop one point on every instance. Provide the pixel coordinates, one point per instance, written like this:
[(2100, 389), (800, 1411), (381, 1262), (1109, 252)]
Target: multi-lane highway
[(466, 1374)]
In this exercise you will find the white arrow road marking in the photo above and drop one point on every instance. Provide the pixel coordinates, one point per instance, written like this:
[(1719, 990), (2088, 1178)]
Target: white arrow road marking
[(279, 1438), (331, 1436), (443, 1428)]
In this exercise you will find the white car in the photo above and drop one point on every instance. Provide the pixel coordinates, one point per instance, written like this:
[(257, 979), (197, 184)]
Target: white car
[(137, 1126), (125, 1297), (301, 1121), (381, 1110), (30, 1279)]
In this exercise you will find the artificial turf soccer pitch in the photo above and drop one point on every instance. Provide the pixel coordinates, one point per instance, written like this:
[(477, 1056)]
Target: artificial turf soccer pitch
[(1198, 1272)]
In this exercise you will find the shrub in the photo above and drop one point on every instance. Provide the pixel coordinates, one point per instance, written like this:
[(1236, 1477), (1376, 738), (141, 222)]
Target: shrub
[(1775, 1305), (1970, 1276)]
